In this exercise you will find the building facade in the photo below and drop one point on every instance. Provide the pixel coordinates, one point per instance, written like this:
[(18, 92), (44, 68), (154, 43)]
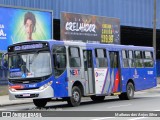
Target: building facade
[(136, 16)]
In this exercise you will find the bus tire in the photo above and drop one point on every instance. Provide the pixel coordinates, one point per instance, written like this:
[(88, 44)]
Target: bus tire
[(40, 102), (75, 99), (122, 96), (129, 94), (130, 91), (97, 98)]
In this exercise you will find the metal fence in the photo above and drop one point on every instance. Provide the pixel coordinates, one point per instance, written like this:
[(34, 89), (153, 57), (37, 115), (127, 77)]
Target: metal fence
[(3, 76)]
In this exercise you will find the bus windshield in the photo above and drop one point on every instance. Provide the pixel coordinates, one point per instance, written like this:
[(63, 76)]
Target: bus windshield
[(26, 65)]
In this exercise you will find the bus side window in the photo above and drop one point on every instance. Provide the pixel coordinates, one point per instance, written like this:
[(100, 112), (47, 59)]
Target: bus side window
[(113, 60), (148, 59), (74, 57), (59, 59), (138, 58), (85, 60), (101, 58), (125, 58), (130, 59)]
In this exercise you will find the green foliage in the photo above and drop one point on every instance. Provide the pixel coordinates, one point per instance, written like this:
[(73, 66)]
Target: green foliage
[(3, 90)]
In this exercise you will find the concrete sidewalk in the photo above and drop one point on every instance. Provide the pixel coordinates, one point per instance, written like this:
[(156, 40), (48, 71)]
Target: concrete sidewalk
[(4, 100)]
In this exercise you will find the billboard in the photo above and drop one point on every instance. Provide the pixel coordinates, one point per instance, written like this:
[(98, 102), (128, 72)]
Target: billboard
[(19, 25), (90, 28)]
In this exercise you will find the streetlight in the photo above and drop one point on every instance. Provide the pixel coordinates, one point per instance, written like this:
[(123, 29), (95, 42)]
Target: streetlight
[(154, 28)]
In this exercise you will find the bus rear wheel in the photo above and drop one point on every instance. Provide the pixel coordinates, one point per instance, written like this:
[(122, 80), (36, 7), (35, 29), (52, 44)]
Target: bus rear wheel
[(75, 99), (40, 102), (97, 98), (129, 94), (122, 96)]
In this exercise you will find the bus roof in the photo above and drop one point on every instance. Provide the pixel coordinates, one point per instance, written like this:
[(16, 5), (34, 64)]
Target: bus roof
[(100, 45), (75, 43)]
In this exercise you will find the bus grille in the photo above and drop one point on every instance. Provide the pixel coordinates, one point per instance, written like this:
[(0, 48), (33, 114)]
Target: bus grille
[(28, 80)]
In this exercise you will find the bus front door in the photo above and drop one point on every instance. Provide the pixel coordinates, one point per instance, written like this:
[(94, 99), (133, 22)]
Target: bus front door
[(115, 82), (88, 68)]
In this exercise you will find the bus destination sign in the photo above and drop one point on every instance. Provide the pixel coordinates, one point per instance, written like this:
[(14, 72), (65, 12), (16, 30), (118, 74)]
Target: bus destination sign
[(26, 47)]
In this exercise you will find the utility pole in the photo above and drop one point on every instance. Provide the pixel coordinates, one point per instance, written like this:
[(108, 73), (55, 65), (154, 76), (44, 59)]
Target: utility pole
[(154, 27)]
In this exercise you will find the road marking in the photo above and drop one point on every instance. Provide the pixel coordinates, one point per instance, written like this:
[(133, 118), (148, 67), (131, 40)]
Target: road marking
[(140, 92), (152, 95), (119, 106), (138, 118), (156, 110), (103, 118)]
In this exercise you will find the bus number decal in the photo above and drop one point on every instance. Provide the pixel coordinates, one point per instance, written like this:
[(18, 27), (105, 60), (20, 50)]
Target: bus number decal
[(135, 74), (150, 72)]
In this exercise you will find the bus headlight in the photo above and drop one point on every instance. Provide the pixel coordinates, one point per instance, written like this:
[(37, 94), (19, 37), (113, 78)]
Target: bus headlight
[(12, 89), (45, 85)]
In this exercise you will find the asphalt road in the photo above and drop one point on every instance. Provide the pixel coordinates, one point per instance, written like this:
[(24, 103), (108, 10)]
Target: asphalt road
[(148, 100)]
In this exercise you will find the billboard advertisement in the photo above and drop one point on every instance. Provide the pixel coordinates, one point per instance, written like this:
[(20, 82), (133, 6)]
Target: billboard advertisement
[(20, 25), (90, 28)]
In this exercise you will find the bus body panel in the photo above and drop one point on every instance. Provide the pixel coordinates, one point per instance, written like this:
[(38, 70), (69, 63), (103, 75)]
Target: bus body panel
[(60, 85), (94, 80), (102, 81)]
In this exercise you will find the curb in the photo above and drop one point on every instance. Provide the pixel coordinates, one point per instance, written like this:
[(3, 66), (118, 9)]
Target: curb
[(8, 104), (158, 85)]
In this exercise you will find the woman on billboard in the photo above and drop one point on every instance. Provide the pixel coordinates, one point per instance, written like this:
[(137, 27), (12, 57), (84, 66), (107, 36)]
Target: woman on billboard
[(29, 23)]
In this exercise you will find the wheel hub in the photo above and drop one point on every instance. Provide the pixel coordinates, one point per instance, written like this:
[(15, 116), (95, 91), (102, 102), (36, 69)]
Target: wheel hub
[(130, 91), (76, 96)]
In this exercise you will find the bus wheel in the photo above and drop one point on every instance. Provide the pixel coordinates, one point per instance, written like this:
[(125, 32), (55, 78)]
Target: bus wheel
[(97, 98), (40, 102), (75, 99), (129, 94), (122, 96), (130, 91)]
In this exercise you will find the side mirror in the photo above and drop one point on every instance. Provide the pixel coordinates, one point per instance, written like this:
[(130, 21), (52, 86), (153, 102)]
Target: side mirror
[(4, 62)]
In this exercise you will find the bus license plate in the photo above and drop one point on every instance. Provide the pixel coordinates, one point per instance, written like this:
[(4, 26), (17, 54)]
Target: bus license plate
[(26, 95)]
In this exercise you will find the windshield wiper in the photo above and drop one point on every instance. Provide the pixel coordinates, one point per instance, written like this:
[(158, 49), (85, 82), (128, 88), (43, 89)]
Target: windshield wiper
[(33, 58)]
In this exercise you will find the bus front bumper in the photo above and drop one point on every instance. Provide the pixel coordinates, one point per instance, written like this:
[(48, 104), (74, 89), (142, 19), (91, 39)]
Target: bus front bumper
[(34, 93)]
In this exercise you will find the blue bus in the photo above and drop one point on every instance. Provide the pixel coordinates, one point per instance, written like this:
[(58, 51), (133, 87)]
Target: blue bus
[(65, 70)]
